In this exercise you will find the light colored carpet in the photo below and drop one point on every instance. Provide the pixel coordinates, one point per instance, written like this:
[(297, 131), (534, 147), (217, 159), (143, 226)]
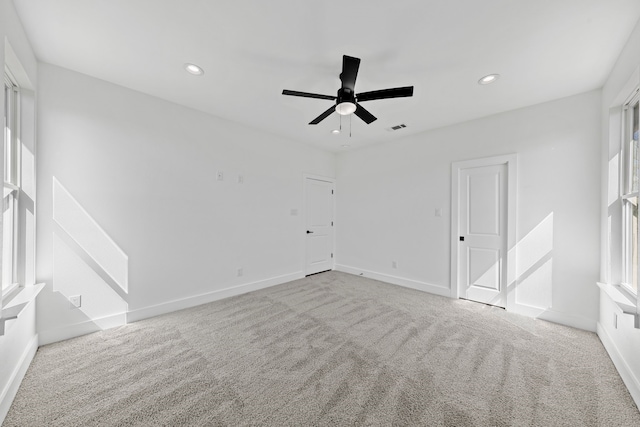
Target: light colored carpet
[(328, 350)]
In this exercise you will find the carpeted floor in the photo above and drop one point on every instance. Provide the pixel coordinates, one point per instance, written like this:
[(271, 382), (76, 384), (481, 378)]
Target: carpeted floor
[(328, 350)]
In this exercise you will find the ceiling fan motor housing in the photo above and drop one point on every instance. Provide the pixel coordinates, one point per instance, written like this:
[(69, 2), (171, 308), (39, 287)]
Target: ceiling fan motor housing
[(346, 102), (345, 95)]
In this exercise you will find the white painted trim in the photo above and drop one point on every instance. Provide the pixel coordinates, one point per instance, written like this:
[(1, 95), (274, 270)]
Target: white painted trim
[(395, 280), (50, 336), (511, 160), (26, 294), (13, 308), (620, 297), (303, 231), (180, 304), (11, 389), (120, 319), (629, 379), (319, 177), (578, 322)]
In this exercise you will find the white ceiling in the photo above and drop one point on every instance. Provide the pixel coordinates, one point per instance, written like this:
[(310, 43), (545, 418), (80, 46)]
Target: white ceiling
[(253, 49)]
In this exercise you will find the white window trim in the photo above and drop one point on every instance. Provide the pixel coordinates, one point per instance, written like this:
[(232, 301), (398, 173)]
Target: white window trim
[(17, 298), (625, 184), (626, 243), (14, 184), (623, 296)]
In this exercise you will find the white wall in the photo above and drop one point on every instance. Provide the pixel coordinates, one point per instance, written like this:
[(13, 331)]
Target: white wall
[(387, 196), (622, 342), (19, 342), (138, 175)]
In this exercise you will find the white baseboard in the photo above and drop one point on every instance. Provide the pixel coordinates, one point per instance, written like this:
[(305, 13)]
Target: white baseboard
[(551, 315), (629, 379), (76, 330), (11, 389), (119, 319), (574, 321), (180, 304), (395, 280)]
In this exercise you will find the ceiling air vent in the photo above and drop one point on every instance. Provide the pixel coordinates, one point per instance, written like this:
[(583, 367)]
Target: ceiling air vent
[(397, 127)]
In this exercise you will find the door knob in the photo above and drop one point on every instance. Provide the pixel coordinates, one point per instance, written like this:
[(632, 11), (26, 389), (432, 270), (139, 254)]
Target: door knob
[(309, 232)]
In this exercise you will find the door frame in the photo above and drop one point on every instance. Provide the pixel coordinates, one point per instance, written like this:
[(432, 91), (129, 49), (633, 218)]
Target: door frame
[(303, 226), (511, 161)]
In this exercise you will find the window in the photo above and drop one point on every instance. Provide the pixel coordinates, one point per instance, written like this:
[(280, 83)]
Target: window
[(11, 185), (630, 195)]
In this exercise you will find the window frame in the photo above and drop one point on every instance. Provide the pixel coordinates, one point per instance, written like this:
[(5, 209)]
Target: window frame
[(11, 187), (631, 170)]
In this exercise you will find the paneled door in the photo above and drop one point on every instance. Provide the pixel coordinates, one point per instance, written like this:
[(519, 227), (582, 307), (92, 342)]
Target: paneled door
[(319, 225), (482, 242)]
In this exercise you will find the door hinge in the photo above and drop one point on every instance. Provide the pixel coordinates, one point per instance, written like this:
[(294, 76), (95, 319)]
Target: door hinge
[(331, 191), (332, 223), (331, 255)]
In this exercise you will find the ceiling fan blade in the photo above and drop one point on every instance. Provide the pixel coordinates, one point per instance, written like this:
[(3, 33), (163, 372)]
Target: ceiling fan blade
[(364, 114), (307, 94), (350, 66), (323, 116), (398, 92)]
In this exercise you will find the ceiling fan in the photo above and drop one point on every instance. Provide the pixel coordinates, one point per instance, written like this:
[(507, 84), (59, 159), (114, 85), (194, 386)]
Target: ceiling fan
[(347, 101)]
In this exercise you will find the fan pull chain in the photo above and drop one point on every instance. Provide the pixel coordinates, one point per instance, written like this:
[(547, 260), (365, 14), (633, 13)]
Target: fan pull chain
[(350, 115)]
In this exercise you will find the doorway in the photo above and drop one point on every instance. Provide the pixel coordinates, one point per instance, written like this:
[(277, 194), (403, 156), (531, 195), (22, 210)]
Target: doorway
[(483, 229), (319, 229)]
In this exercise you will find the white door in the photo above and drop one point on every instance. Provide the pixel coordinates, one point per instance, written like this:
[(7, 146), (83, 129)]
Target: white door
[(482, 242), (319, 225)]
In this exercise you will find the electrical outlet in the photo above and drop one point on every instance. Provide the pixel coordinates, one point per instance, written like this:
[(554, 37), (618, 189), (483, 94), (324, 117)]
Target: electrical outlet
[(240, 272), (240, 179), (439, 212), (394, 264), (76, 301), (220, 176)]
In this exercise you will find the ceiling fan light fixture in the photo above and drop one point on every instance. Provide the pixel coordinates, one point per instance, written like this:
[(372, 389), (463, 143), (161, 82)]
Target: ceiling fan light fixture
[(346, 100), (335, 131), (193, 69), (345, 108), (488, 79)]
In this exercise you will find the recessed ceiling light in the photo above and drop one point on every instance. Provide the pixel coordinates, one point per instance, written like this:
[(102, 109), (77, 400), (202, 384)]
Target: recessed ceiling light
[(335, 131), (193, 69), (486, 80)]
